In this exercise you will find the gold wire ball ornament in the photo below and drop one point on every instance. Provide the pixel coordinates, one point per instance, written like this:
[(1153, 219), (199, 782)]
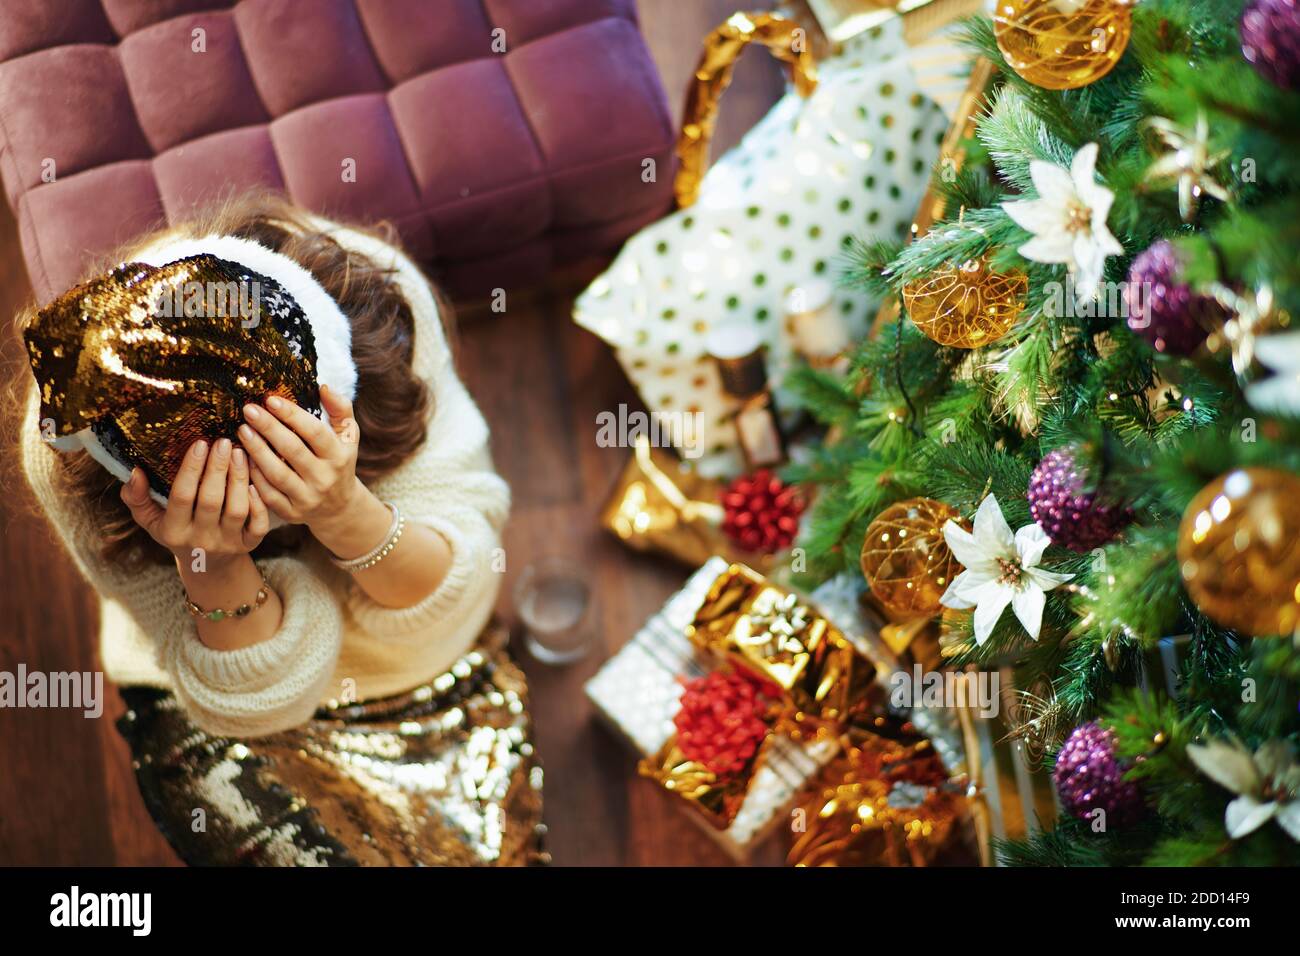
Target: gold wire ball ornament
[(906, 560), (966, 306), (1062, 44), (1239, 551)]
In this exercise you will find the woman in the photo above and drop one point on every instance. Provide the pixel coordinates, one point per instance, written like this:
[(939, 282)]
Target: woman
[(317, 694)]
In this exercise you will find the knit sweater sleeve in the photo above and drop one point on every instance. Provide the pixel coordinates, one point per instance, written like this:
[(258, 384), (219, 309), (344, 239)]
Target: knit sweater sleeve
[(449, 484), (249, 692)]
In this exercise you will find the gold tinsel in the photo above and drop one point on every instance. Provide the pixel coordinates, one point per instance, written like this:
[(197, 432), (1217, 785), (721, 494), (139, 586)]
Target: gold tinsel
[(1239, 551), (1062, 44), (906, 560), (966, 306)]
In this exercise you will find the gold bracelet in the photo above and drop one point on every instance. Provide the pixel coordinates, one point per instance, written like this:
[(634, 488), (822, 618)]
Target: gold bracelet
[(217, 614)]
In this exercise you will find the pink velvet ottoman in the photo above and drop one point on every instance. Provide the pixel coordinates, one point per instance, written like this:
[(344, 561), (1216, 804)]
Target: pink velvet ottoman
[(501, 137)]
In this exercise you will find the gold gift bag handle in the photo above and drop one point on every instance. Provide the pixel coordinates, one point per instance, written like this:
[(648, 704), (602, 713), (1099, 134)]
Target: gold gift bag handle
[(784, 38)]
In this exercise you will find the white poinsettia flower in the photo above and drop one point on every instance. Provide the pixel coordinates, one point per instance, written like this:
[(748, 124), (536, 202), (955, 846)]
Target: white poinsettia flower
[(1267, 784), (1001, 569), (1068, 219), (1279, 394)]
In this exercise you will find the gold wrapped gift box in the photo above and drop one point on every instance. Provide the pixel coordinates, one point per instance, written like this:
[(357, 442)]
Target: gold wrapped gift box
[(749, 623), (883, 802), (717, 799), (660, 505)]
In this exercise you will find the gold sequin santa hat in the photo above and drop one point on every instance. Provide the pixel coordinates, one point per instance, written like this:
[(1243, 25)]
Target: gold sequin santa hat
[(137, 364)]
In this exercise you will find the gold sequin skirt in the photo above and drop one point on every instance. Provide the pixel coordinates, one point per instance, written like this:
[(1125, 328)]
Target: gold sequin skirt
[(442, 775)]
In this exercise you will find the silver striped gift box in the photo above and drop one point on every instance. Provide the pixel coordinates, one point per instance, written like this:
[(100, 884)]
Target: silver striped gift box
[(637, 692)]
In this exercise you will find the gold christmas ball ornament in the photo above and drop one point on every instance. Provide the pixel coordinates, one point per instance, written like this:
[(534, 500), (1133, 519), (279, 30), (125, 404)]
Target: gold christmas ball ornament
[(1239, 551), (906, 560), (966, 306), (1062, 44)]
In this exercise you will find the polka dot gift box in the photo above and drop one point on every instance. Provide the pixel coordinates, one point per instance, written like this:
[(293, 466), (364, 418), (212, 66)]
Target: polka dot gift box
[(850, 160)]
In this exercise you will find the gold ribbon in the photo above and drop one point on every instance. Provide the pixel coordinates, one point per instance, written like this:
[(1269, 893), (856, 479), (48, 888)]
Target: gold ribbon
[(784, 39), (749, 622)]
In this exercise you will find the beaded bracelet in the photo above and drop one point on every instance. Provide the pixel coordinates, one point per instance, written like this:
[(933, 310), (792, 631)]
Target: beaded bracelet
[(380, 551), (217, 614)]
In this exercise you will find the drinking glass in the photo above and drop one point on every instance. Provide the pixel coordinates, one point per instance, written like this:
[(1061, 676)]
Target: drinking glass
[(553, 599)]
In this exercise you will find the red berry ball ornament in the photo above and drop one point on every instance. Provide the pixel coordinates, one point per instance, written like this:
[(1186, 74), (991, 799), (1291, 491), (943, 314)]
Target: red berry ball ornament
[(761, 512), (723, 720)]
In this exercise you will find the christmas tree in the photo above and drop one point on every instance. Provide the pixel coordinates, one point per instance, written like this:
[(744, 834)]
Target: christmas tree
[(1090, 379)]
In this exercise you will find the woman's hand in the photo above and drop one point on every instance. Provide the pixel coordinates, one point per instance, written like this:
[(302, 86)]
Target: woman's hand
[(211, 507), (304, 469)]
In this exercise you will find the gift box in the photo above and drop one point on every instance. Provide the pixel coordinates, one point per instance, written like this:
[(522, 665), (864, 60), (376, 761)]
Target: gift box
[(662, 505), (770, 218), (780, 670), (979, 741), (748, 622), (638, 691), (971, 784), (884, 801), (1014, 796)]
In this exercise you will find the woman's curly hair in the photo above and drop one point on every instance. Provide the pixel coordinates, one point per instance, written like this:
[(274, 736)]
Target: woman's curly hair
[(392, 403)]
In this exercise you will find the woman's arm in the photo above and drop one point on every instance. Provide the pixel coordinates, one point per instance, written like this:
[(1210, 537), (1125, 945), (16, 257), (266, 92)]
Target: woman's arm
[(227, 584), (242, 692), (213, 519), (237, 675), (306, 471), (409, 573)]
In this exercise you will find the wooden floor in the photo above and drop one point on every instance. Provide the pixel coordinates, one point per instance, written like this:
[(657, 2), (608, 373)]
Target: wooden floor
[(67, 795)]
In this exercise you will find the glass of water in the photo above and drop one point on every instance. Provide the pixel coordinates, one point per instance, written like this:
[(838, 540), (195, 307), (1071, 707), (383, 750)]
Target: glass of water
[(553, 599)]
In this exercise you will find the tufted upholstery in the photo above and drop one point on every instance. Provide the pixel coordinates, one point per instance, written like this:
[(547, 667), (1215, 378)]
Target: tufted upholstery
[(493, 166)]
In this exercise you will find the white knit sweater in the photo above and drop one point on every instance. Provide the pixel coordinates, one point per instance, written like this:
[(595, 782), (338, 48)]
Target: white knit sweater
[(332, 639)]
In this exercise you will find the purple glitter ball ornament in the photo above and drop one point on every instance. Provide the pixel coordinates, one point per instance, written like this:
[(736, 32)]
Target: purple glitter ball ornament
[(1061, 503), (1165, 311), (1089, 777), (1270, 40)]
